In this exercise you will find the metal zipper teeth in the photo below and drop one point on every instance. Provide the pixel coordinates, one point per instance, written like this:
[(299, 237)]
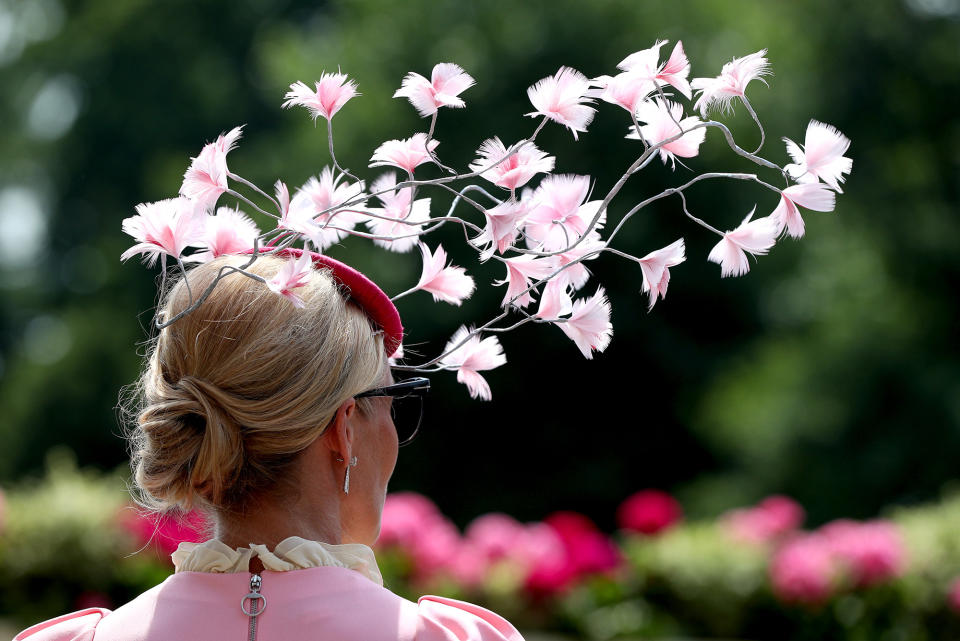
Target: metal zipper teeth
[(254, 597)]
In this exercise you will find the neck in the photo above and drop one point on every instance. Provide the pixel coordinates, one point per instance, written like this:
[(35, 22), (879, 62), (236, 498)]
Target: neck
[(312, 515)]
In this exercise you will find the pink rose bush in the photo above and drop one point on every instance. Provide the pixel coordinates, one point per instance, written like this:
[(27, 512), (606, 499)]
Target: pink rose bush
[(751, 573), (811, 567), (541, 558)]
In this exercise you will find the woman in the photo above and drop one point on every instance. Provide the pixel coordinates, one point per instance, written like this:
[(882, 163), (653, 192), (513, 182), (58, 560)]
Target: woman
[(276, 421)]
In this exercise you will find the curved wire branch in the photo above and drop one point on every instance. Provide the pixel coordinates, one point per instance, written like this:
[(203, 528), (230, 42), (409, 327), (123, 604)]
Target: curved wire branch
[(333, 156)]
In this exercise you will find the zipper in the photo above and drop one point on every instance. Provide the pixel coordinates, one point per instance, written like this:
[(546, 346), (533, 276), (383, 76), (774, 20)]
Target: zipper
[(255, 610)]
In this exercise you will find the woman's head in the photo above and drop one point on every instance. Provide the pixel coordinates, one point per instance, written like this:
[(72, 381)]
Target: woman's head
[(235, 391)]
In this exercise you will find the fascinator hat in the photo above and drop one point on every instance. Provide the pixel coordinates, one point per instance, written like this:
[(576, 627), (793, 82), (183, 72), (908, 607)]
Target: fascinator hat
[(540, 227), (361, 290)]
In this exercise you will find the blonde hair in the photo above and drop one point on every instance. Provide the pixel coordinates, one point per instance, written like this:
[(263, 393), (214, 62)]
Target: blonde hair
[(233, 391)]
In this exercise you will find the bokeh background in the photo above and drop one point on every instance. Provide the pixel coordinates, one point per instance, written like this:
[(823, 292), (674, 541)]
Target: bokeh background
[(829, 373)]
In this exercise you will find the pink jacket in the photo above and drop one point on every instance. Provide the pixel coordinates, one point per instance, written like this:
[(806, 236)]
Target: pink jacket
[(330, 603)]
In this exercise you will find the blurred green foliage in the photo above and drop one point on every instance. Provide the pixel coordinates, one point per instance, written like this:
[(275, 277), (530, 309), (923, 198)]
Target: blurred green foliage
[(825, 373), (62, 546)]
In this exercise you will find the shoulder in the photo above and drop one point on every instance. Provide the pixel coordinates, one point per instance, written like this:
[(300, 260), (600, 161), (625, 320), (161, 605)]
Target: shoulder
[(442, 619), (76, 626)]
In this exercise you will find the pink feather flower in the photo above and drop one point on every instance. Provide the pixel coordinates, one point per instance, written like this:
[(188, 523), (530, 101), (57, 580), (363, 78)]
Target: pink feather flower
[(662, 119), (206, 177), (562, 98), (164, 228), (230, 231), (520, 271), (314, 211), (399, 224), (294, 273), (753, 236), (646, 64), (472, 357), (502, 226), (333, 90), (731, 83), (816, 196), (821, 157), (589, 324), (655, 268), (447, 283), (555, 302), (515, 171), (627, 89), (405, 154), (575, 274), (675, 70), (559, 214), (447, 82)]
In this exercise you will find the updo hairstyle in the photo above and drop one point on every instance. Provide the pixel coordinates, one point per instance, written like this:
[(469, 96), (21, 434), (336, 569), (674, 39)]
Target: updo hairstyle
[(232, 392)]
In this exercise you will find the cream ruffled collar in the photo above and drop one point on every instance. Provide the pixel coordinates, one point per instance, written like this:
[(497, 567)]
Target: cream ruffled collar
[(293, 553)]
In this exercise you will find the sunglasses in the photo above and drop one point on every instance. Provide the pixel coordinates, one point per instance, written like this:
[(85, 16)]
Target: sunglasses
[(406, 405)]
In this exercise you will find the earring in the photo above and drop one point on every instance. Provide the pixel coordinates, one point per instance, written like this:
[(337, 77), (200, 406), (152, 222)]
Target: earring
[(346, 476)]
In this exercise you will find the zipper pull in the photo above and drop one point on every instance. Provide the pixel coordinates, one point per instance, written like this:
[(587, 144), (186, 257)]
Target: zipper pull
[(256, 609)]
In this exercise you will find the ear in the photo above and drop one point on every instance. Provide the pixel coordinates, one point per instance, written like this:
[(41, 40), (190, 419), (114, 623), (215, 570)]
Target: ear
[(340, 434)]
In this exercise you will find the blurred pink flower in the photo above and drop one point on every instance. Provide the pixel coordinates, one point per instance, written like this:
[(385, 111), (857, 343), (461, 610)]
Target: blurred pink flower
[(588, 550), (649, 512), (447, 82), (953, 595), (403, 513), (435, 548), (495, 535), (871, 551), (772, 518), (540, 547), (412, 523), (164, 531), (469, 564), (333, 90), (802, 570), (562, 98)]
